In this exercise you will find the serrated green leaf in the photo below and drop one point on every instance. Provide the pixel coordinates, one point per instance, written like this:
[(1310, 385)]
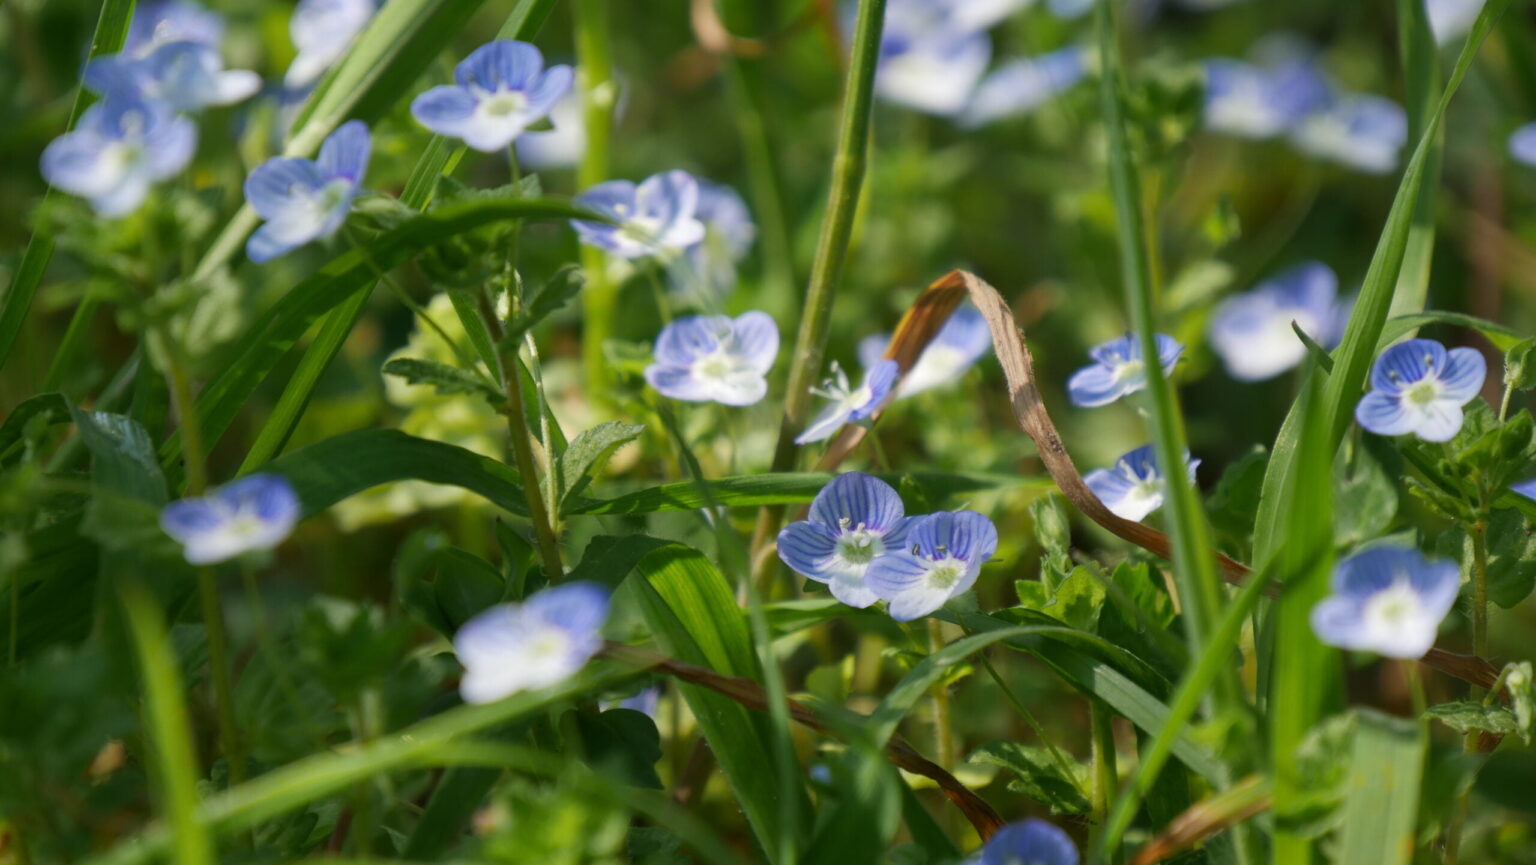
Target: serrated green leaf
[(588, 452), (1039, 775), (446, 380), (1465, 716)]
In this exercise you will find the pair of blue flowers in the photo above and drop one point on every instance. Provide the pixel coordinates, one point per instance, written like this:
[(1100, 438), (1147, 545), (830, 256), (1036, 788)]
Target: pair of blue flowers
[(858, 540)]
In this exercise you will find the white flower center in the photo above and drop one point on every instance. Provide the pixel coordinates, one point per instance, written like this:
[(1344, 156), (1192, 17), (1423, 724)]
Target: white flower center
[(718, 364), (547, 644), (944, 573), (1423, 392), (860, 546), (1130, 369), (1395, 609), (504, 103)]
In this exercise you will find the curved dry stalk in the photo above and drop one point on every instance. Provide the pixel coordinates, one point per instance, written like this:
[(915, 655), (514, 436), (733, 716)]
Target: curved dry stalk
[(1207, 817), (750, 694), (917, 328)]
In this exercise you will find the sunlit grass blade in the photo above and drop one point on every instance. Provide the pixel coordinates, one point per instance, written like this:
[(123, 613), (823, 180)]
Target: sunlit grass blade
[(1421, 71), (1381, 802)]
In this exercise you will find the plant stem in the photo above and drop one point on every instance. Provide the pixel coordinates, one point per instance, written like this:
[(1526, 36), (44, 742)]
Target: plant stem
[(1106, 773), (1509, 391), (520, 440), (598, 95), (943, 728), (1479, 535), (1067, 766), (848, 167)]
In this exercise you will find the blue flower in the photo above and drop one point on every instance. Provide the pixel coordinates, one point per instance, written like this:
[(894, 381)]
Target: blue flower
[(1134, 487), (1267, 98), (1020, 86), (1028, 842), (1522, 144), (503, 88), (728, 236), (1418, 387), (849, 403), (254, 513), (187, 75), (120, 148), (1451, 19), (957, 346), (1118, 370), (160, 22), (321, 31), (853, 521), (304, 200), (712, 358), (1525, 488), (658, 217), (539, 643), (1252, 331), (929, 60), (1359, 131), (1387, 600), (943, 554)]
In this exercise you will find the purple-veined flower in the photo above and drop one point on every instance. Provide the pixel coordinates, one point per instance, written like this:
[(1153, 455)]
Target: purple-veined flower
[(1134, 486), (1451, 19), (657, 217), (853, 521), (1387, 600), (187, 75), (941, 558), (713, 358), (160, 22), (502, 89), (728, 236), (1252, 331), (321, 31), (1522, 144), (254, 513), (1118, 370), (304, 200), (849, 404), (1020, 86), (536, 644), (1264, 98), (1028, 842), (121, 147), (957, 346), (1360, 131), (1418, 387), (929, 60)]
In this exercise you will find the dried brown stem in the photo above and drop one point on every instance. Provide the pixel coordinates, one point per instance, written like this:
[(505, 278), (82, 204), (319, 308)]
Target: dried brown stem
[(1207, 817)]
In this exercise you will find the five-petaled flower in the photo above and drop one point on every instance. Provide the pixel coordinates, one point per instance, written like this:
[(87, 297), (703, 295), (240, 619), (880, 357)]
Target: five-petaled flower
[(321, 31), (1118, 369), (1028, 842), (657, 217), (713, 358), (1418, 387), (931, 56), (853, 521), (1387, 600), (304, 200), (849, 403), (1357, 130), (119, 149), (1134, 487), (942, 556), (536, 644), (502, 88), (254, 513), (187, 75), (957, 346), (1253, 331)]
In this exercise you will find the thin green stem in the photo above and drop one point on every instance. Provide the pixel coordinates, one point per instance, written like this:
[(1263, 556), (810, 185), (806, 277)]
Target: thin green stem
[(1479, 535), (1106, 772), (599, 92), (848, 168), (1509, 391), (1068, 768), (552, 479), (943, 725)]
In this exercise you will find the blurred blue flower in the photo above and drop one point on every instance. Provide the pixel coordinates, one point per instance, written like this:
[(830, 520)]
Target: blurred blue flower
[(1252, 331), (982, 14), (1264, 99), (1134, 487), (1451, 19), (503, 88), (1028, 842), (849, 404), (187, 75), (160, 22), (560, 147), (1118, 370), (1070, 8), (303, 200), (658, 217), (1356, 130), (712, 358), (1020, 86), (321, 31), (121, 147), (853, 521), (929, 59), (1418, 387), (940, 559), (646, 701), (1387, 600), (957, 346), (1522, 144), (254, 513), (728, 236), (539, 643), (1525, 488)]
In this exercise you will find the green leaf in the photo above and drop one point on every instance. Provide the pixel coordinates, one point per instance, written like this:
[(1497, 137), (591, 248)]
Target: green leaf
[(1503, 338), (52, 408), (1465, 716), (128, 488), (1365, 491), (1381, 801), (1039, 775), (446, 380), (1521, 684), (465, 585), (587, 454), (1076, 600), (781, 488), (1511, 555), (543, 302), (1520, 365), (622, 745), (609, 559)]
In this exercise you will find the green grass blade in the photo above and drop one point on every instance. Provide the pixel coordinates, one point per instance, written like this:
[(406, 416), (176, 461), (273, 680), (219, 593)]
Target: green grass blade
[(170, 730), (111, 30), (1421, 71), (1381, 802), (785, 488)]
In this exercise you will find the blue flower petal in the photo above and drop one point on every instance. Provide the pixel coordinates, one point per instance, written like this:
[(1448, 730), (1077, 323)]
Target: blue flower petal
[(187, 518), (579, 607), (1401, 365), (1031, 841), (1383, 414), (1094, 386), (860, 499), (500, 65), (756, 337), (677, 382), (879, 379), (1522, 144), (807, 547), (345, 152), (1463, 373), (965, 535), (825, 424), (269, 188), (686, 339)]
